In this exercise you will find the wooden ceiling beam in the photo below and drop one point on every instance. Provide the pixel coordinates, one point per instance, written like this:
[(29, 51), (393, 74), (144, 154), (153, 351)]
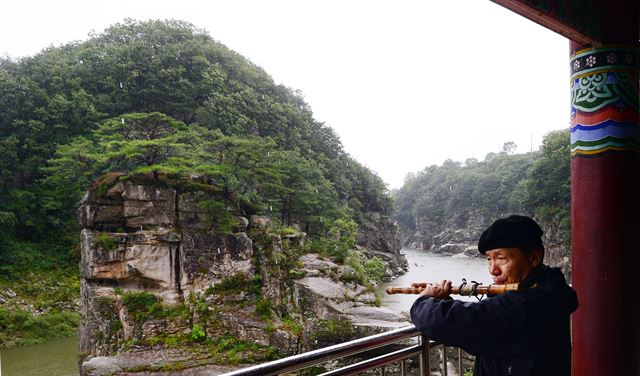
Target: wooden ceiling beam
[(546, 20)]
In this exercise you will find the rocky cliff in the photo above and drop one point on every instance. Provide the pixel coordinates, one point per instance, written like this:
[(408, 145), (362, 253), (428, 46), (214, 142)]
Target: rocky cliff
[(174, 276), (378, 236), (450, 238)]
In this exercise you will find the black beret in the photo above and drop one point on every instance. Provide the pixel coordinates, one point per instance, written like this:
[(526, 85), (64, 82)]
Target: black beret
[(514, 231)]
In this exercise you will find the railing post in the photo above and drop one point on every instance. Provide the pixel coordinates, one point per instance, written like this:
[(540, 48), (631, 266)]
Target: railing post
[(444, 361), (403, 368), (425, 362), (460, 369)]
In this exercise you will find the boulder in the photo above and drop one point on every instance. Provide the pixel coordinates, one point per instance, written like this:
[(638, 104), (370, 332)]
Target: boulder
[(260, 222), (451, 248)]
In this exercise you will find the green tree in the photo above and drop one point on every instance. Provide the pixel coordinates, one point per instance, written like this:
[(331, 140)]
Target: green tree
[(70, 172), (550, 179), (305, 194), (7, 223), (548, 190), (245, 166), (142, 142), (509, 147)]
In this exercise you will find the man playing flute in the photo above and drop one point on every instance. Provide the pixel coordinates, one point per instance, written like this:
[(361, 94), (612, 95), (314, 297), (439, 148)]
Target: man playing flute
[(521, 333)]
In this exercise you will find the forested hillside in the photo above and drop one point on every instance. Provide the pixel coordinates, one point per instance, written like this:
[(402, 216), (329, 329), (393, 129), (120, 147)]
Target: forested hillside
[(159, 98), (456, 201)]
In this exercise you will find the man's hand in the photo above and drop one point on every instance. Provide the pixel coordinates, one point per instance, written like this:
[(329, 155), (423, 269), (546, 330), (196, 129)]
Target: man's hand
[(438, 291)]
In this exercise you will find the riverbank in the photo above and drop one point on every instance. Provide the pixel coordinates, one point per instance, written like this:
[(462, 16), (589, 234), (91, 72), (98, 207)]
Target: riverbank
[(39, 306), (38, 322)]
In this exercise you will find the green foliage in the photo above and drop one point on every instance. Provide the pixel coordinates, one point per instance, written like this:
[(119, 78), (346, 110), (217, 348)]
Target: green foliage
[(537, 184), (447, 195), (246, 166), (217, 217), (232, 350), (50, 287), (292, 326), (235, 283), (105, 242), (333, 331), (374, 269), (140, 304), (219, 349), (19, 259), (171, 341), (264, 308), (339, 240), (19, 327), (197, 333), (549, 183), (343, 232), (163, 98), (255, 285), (296, 274), (366, 272), (141, 142), (287, 231), (548, 189), (7, 221)]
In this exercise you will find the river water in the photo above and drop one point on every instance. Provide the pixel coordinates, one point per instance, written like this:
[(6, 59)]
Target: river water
[(54, 358), (427, 267), (60, 357)]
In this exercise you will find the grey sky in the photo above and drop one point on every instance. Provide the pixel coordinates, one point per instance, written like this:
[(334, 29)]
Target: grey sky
[(405, 83)]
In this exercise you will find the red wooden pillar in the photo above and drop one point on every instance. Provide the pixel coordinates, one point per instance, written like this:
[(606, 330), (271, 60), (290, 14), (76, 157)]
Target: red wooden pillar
[(605, 174)]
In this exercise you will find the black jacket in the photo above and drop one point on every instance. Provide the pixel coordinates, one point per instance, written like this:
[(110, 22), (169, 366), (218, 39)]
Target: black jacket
[(518, 333)]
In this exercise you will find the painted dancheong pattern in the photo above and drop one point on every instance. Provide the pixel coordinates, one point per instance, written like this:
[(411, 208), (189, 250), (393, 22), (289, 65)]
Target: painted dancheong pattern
[(605, 104)]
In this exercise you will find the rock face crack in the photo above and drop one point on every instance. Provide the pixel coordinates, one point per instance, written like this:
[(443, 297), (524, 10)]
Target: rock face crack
[(177, 265), (176, 270)]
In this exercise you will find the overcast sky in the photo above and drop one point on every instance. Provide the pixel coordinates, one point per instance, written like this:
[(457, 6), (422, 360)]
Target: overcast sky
[(405, 83)]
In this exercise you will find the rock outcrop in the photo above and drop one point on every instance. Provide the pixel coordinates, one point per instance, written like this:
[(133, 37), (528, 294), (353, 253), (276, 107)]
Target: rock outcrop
[(451, 238), (378, 236), (327, 297), (164, 267)]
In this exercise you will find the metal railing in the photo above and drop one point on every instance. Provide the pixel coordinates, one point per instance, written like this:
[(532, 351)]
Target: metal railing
[(342, 350)]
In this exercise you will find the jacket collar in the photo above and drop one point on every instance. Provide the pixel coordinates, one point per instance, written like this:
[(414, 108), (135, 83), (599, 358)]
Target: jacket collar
[(535, 275)]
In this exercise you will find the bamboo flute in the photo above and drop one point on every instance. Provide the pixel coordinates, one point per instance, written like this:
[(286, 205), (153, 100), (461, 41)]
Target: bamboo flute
[(467, 289)]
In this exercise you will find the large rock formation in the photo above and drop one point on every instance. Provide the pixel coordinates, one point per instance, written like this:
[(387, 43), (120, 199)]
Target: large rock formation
[(166, 266)]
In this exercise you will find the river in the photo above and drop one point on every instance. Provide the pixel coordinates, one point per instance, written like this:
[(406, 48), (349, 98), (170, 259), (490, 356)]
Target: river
[(427, 267), (54, 358), (60, 357)]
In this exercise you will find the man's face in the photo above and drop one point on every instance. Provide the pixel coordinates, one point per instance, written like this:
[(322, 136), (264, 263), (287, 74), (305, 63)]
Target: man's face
[(510, 265)]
